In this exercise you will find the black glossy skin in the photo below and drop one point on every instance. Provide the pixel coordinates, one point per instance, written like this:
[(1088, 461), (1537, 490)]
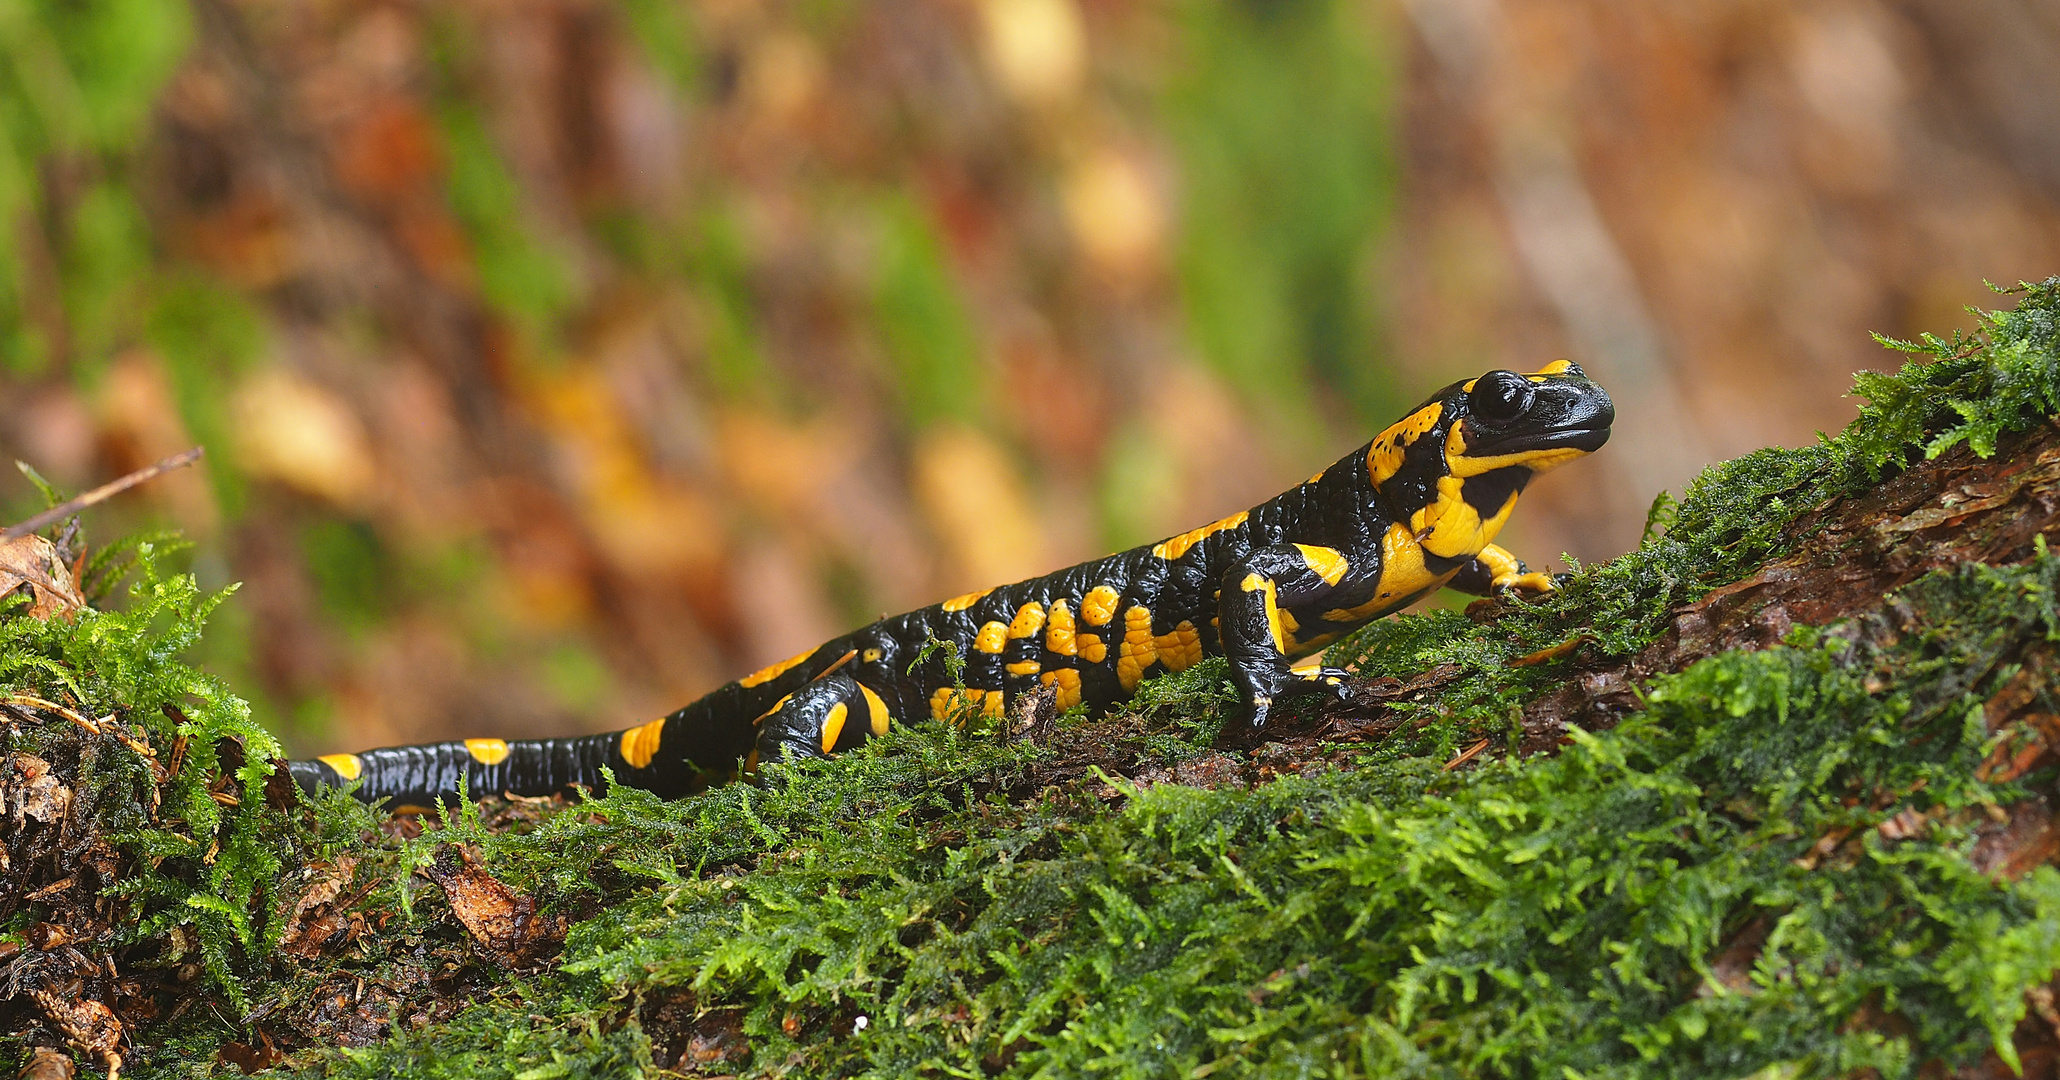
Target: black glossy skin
[(1447, 475)]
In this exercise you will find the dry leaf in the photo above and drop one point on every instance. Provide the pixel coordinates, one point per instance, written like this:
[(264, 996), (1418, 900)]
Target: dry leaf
[(315, 922), (29, 790), (304, 435), (48, 1064), (86, 1024), (499, 918), (251, 1057), (31, 562), (978, 506)]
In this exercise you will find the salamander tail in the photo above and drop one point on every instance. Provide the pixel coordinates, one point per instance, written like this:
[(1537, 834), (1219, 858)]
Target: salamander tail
[(422, 775)]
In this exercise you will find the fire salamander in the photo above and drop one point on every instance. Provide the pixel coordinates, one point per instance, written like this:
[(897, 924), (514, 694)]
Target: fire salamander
[(1415, 509)]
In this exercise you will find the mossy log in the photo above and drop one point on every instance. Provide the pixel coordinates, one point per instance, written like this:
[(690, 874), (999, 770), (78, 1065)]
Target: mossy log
[(1771, 796)]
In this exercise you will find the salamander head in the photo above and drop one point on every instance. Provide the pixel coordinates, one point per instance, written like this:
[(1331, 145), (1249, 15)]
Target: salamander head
[(1538, 421), (1483, 439)]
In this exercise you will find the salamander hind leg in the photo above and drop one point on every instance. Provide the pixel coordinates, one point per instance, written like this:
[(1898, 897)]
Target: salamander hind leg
[(1495, 569), (1258, 633), (831, 714)]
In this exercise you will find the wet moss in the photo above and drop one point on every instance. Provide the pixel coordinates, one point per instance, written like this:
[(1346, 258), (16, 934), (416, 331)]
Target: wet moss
[(1566, 916), (157, 854)]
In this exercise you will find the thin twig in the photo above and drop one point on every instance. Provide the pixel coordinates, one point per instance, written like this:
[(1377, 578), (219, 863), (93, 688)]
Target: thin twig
[(100, 494), (1471, 753), (35, 702)]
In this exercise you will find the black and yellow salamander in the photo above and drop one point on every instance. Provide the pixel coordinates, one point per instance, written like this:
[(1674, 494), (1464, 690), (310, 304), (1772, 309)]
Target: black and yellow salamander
[(1415, 509)]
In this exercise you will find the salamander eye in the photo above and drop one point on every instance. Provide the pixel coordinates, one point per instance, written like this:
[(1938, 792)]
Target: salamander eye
[(1500, 396)]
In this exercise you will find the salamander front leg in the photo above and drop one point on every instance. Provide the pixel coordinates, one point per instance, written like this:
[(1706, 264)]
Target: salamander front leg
[(1495, 569), (833, 713), (1258, 632)]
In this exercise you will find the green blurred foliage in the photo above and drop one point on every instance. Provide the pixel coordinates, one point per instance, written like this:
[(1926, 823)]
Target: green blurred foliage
[(716, 260), (208, 333), (934, 359), (526, 283), (1283, 115), (79, 274), (76, 83), (353, 572)]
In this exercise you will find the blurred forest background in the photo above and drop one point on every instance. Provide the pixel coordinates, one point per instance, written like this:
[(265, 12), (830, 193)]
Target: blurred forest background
[(560, 359)]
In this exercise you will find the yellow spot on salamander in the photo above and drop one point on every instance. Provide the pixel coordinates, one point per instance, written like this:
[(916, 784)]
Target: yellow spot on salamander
[(1325, 562), (1099, 605), (833, 725), (1505, 571), (1384, 457), (1284, 620), (992, 637), (948, 701), (1499, 563), (487, 751), (1025, 667), (1068, 681), (1028, 621), (1557, 367), (1058, 630), (640, 744), (777, 706), (876, 710), (1181, 649), (1091, 649), (1138, 650), (1257, 583), (1451, 528), (1461, 464), (1177, 546), (767, 674), (1402, 573), (961, 603), (345, 765)]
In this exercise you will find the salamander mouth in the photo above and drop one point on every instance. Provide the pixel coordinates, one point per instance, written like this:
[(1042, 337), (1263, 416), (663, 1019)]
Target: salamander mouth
[(1585, 439)]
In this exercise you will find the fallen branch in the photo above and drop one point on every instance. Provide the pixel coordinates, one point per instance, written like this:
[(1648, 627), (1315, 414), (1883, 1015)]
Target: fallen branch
[(100, 494)]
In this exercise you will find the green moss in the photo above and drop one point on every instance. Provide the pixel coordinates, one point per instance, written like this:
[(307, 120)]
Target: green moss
[(1552, 917), (194, 869)]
